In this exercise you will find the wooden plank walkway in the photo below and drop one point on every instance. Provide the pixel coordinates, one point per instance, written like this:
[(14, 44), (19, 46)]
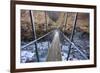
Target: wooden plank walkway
[(54, 52)]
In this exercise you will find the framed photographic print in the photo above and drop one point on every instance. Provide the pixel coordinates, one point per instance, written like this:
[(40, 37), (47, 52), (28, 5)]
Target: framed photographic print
[(51, 36)]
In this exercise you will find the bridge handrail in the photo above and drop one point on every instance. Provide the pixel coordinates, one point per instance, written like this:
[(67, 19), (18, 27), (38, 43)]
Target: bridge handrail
[(35, 40), (75, 46)]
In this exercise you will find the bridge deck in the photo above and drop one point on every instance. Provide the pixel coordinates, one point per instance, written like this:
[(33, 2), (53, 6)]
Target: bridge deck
[(54, 52)]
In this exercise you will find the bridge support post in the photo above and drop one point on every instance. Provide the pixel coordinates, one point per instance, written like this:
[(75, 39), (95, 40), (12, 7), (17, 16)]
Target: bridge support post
[(72, 34), (34, 33)]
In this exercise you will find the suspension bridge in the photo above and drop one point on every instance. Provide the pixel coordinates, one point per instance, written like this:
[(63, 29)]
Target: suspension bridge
[(56, 39)]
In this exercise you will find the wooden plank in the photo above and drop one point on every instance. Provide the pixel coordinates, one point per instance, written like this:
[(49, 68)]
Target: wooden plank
[(54, 52)]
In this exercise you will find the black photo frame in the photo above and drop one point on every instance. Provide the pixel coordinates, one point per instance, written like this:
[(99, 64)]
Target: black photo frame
[(14, 7)]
